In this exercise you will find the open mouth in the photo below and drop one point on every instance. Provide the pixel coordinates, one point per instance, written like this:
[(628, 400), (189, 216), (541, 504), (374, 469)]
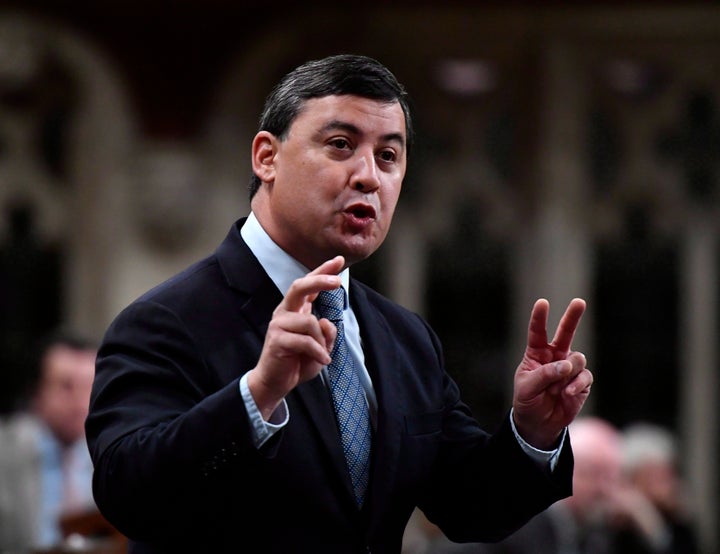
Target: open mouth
[(361, 211)]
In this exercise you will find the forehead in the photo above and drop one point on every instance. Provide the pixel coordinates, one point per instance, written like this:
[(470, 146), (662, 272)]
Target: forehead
[(61, 361), (365, 113)]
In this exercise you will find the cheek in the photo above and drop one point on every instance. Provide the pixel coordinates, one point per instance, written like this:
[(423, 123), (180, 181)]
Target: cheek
[(313, 183), (389, 200)]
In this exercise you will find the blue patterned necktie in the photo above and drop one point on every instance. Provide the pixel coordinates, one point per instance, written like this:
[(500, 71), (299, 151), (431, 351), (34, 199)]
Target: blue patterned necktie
[(348, 396)]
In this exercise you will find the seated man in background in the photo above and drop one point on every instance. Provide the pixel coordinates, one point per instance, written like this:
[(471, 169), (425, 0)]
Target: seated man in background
[(627, 499), (45, 468), (650, 465), (581, 523)]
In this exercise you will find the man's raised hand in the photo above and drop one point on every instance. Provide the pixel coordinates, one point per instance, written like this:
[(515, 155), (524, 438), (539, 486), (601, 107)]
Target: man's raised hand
[(297, 343), (551, 382)]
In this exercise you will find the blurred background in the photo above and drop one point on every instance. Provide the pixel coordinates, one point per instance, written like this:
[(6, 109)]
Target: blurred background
[(564, 149)]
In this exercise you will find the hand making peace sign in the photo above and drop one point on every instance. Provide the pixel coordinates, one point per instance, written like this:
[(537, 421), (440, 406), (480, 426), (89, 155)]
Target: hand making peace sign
[(551, 382)]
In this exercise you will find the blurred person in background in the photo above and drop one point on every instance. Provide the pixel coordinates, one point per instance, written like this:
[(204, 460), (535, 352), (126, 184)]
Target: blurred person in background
[(575, 525), (650, 466), (626, 500), (45, 467)]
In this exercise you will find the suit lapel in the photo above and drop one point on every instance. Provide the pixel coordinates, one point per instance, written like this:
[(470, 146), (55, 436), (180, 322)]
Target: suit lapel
[(243, 272), (380, 360)]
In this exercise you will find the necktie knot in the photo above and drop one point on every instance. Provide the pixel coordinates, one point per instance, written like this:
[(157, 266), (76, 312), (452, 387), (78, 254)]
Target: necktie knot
[(331, 303)]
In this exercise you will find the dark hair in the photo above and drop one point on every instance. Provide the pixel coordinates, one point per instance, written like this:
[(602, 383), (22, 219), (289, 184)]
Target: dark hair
[(33, 360), (57, 337), (334, 75)]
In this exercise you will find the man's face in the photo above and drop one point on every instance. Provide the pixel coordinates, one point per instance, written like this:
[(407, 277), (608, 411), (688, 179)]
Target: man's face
[(63, 395), (331, 186), (597, 471), (660, 482)]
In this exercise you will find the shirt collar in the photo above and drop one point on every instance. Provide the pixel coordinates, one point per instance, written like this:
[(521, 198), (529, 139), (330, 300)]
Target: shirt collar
[(282, 268)]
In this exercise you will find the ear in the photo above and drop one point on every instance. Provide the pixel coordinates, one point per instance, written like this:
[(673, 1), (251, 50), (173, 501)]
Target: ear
[(263, 156)]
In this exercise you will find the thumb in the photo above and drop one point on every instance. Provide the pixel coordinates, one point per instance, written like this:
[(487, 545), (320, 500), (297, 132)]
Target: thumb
[(552, 376)]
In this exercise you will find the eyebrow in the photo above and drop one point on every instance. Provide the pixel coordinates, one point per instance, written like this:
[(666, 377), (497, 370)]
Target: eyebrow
[(337, 124)]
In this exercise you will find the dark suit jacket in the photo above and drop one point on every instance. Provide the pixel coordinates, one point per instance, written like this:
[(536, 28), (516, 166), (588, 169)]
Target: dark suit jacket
[(176, 468)]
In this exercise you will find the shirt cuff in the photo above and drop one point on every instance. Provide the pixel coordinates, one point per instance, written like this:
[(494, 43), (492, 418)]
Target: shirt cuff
[(260, 429), (544, 458)]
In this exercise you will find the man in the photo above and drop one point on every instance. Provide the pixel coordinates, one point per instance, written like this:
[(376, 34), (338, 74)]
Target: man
[(607, 514), (664, 523), (213, 418), (45, 467)]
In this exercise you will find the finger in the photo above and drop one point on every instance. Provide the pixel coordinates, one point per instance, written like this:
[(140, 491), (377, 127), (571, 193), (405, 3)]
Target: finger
[(332, 266), (581, 384), (568, 324), (537, 328), (305, 289), (580, 377), (294, 334), (298, 346), (298, 324), (575, 363)]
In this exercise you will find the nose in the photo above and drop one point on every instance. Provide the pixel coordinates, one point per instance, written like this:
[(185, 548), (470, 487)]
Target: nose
[(366, 177)]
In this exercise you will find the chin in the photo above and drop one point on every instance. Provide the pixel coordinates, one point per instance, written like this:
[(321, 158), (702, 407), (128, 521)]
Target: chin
[(353, 256)]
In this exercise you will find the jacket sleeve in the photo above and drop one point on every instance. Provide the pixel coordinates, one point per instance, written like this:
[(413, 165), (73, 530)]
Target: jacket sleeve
[(486, 492), (160, 425)]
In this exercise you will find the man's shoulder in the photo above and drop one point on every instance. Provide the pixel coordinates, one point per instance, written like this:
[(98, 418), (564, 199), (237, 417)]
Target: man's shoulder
[(194, 276), (204, 272), (19, 434)]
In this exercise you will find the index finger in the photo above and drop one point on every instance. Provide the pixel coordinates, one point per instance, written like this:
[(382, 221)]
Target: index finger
[(568, 324), (304, 289)]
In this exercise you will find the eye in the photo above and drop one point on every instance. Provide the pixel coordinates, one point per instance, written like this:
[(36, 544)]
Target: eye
[(387, 156), (340, 143)]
